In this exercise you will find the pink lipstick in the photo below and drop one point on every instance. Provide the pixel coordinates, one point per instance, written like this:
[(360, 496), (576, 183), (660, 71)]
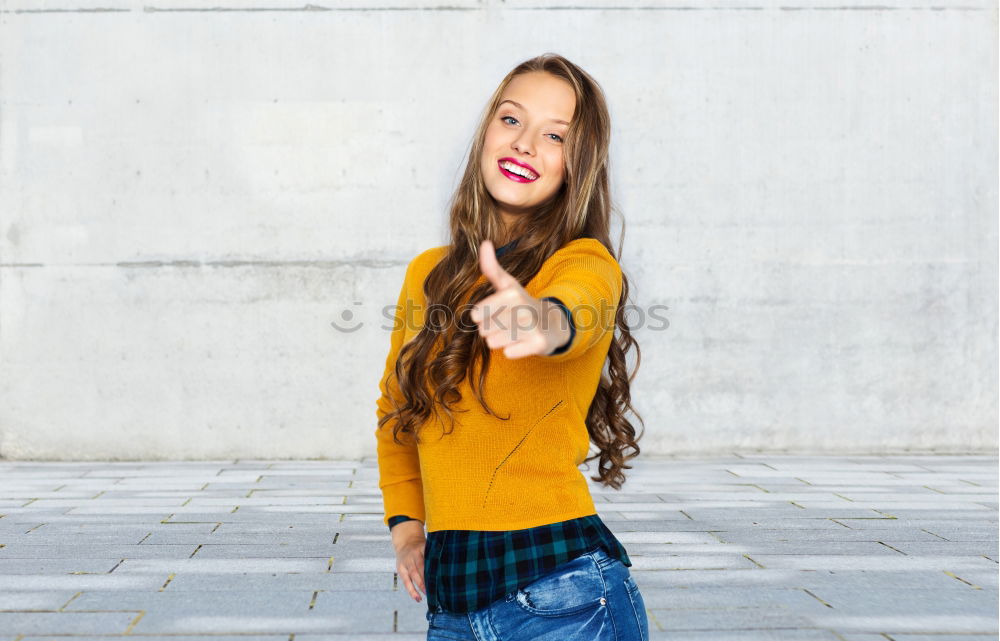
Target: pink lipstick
[(513, 167)]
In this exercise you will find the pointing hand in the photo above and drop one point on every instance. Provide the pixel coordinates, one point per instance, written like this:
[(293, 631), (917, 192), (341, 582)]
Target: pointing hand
[(512, 318)]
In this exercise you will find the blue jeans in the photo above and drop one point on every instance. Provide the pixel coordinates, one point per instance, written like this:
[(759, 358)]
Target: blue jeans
[(591, 597)]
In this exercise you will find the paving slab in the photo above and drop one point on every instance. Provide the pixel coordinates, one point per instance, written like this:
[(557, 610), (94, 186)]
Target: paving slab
[(733, 548)]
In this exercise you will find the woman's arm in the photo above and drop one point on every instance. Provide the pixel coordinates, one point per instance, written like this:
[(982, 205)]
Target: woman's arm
[(583, 278), (399, 464)]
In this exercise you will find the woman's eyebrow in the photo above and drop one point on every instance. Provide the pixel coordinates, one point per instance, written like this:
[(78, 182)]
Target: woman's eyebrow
[(520, 106)]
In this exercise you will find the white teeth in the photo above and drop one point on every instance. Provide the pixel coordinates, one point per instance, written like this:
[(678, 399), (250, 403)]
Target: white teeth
[(517, 169)]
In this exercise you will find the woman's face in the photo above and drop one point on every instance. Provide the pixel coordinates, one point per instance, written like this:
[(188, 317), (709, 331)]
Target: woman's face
[(528, 129)]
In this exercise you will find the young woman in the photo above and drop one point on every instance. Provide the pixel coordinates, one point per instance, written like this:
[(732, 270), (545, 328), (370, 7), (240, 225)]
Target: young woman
[(496, 369)]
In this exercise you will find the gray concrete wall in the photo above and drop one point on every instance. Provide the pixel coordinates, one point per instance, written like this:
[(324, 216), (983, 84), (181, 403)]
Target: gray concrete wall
[(190, 197)]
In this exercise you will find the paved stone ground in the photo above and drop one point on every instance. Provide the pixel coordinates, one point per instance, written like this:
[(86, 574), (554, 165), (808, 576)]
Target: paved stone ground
[(743, 547)]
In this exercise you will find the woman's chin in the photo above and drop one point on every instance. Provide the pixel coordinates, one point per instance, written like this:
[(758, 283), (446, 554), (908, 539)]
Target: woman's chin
[(514, 200)]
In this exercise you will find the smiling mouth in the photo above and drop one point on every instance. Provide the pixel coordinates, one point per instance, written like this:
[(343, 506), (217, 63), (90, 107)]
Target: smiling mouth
[(516, 172)]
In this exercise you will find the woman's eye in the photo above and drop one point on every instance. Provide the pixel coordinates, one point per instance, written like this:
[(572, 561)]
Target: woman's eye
[(504, 119)]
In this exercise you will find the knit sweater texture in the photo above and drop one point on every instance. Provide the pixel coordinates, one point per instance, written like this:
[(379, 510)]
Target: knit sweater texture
[(494, 474)]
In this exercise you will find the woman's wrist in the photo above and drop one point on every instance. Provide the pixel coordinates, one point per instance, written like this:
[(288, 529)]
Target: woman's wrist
[(555, 325), (407, 532)]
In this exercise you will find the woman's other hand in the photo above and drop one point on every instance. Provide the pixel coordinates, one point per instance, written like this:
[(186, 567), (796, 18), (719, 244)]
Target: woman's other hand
[(408, 540)]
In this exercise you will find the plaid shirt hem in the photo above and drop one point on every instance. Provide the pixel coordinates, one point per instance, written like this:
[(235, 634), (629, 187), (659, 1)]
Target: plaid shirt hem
[(466, 570)]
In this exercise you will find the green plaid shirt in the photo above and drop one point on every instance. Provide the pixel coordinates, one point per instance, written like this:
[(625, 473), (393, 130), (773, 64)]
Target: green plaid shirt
[(465, 570)]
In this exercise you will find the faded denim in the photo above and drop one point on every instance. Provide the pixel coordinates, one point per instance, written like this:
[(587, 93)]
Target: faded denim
[(592, 597)]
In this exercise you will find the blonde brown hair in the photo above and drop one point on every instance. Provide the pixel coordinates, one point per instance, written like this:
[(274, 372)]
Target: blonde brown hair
[(430, 367)]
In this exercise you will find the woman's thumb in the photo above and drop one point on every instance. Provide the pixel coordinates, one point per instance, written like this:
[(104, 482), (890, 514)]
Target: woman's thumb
[(490, 266)]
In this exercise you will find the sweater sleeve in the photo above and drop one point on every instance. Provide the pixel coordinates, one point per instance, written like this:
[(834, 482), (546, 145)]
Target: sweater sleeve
[(399, 465), (588, 281)]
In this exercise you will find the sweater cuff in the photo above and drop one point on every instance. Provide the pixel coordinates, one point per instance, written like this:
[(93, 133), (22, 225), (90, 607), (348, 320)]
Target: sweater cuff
[(404, 497), (399, 518)]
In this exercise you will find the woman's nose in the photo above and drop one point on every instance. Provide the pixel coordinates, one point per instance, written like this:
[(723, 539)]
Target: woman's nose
[(522, 145)]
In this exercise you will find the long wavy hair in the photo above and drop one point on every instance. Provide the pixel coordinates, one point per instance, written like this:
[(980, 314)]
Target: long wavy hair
[(430, 367)]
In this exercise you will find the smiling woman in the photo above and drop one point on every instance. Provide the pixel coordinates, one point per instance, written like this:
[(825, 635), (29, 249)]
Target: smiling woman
[(522, 159), (526, 373)]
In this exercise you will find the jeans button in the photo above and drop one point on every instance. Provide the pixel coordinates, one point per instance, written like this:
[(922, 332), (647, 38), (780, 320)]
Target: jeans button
[(603, 601)]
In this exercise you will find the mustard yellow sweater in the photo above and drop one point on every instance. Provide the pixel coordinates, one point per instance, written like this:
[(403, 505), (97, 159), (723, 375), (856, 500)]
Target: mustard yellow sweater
[(491, 474)]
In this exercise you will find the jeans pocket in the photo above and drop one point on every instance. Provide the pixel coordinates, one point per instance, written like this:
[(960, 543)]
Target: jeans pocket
[(638, 607), (574, 586), (450, 626)]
